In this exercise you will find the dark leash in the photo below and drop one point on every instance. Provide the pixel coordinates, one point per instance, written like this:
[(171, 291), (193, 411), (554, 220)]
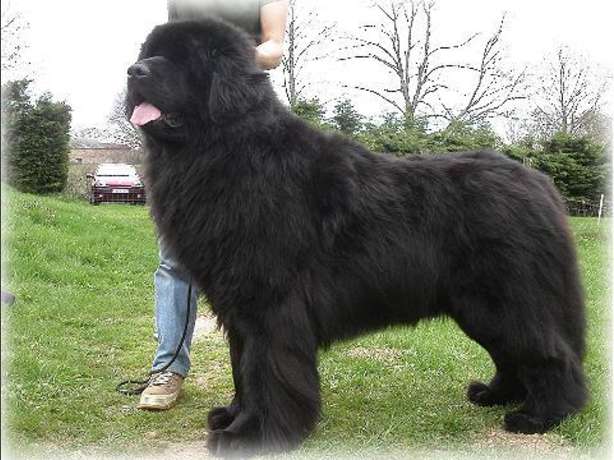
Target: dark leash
[(135, 387)]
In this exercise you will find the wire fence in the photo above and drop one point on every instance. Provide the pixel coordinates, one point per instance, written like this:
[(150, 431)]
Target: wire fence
[(585, 208)]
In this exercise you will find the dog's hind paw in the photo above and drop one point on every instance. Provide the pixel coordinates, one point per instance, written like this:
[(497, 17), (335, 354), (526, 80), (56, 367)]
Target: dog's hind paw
[(522, 422)]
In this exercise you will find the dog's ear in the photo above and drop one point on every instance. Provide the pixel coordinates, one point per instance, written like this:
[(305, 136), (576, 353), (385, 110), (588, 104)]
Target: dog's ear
[(232, 94)]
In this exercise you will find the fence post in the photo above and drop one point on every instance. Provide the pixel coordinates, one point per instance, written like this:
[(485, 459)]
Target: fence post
[(600, 208)]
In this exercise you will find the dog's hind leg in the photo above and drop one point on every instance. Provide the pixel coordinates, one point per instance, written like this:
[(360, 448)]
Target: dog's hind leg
[(481, 321), (551, 360), (556, 389), (536, 363), (279, 385)]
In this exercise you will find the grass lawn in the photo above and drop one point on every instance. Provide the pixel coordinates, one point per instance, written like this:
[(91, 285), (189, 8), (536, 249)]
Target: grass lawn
[(83, 321)]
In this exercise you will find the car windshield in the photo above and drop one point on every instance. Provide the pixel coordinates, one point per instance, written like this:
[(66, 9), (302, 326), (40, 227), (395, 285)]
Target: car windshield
[(116, 170)]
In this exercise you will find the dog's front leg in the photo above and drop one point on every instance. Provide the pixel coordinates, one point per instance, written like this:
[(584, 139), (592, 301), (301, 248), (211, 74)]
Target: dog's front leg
[(220, 417), (278, 386)]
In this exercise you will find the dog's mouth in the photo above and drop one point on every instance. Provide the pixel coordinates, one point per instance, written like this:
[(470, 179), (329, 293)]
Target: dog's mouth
[(145, 113)]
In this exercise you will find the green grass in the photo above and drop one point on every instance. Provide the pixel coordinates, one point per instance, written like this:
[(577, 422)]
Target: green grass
[(83, 321)]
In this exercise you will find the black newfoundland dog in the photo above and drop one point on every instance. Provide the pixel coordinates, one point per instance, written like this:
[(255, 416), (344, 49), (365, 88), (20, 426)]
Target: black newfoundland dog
[(300, 238)]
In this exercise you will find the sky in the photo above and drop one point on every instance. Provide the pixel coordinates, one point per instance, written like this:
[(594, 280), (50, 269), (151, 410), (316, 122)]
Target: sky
[(79, 50)]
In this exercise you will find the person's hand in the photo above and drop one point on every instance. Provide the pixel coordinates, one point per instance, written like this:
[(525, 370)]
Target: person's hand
[(268, 54), (273, 17)]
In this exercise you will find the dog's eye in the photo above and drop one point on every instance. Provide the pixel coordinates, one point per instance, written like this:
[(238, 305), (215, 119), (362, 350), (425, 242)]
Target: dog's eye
[(173, 121)]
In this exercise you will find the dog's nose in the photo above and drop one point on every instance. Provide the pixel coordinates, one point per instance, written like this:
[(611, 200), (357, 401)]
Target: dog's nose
[(138, 70)]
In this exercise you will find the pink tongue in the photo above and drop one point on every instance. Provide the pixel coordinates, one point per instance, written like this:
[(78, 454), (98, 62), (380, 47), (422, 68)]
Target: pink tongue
[(144, 113)]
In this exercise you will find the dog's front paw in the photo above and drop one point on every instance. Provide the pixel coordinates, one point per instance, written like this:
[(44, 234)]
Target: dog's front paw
[(220, 417), (241, 438), (480, 394), (222, 443), (228, 444)]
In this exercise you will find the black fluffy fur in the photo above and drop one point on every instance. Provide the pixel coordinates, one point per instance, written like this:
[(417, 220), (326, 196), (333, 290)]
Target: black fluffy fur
[(300, 238)]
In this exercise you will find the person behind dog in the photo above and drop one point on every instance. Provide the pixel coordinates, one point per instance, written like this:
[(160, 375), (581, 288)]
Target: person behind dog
[(265, 21)]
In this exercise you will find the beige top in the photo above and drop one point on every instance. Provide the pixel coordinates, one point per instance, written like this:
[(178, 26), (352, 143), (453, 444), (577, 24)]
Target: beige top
[(244, 14)]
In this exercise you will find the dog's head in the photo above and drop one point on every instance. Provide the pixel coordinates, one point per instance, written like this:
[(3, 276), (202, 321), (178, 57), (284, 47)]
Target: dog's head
[(193, 72)]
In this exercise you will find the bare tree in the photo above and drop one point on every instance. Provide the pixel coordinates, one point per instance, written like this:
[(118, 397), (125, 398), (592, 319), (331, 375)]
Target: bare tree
[(405, 46), (302, 46), (569, 95), (119, 129), (494, 87), (12, 26), (517, 129), (90, 133)]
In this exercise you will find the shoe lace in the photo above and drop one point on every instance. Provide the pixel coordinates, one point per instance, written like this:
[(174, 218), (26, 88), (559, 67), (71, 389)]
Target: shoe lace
[(163, 378)]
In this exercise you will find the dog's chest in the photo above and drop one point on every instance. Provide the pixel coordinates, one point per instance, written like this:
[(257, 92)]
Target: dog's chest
[(208, 203)]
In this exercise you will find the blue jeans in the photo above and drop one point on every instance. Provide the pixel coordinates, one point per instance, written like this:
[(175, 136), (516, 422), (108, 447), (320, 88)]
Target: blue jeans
[(171, 286)]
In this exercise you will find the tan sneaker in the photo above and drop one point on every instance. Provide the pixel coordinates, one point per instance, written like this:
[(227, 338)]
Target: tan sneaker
[(162, 391)]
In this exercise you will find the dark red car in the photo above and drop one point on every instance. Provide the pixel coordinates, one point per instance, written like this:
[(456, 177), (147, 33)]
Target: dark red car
[(116, 183)]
